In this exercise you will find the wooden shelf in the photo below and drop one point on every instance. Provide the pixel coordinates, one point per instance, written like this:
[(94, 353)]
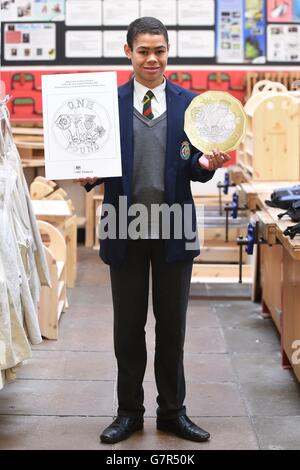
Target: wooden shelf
[(27, 142), (33, 162), (27, 131)]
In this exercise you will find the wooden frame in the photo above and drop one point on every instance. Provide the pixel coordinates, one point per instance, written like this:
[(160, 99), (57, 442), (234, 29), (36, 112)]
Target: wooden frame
[(53, 299)]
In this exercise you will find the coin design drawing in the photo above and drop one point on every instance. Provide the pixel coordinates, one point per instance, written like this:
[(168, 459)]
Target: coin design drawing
[(215, 119), (81, 126)]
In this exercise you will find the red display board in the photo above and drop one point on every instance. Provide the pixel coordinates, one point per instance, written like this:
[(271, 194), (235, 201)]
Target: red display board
[(24, 87)]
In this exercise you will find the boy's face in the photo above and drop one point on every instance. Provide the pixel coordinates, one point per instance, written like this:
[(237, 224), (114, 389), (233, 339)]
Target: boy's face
[(149, 56)]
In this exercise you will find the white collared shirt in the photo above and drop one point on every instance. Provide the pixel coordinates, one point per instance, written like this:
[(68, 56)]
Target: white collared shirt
[(158, 102)]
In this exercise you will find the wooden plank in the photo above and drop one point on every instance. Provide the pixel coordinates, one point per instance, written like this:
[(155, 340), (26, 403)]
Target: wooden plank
[(52, 299), (90, 218), (60, 308), (81, 221), (236, 175), (61, 286), (97, 211), (219, 280), (218, 233), (71, 243), (35, 131), (219, 254), (211, 200), (40, 189), (21, 144), (33, 163), (48, 303), (58, 194), (42, 179), (60, 267), (46, 207), (250, 195), (267, 227), (220, 273)]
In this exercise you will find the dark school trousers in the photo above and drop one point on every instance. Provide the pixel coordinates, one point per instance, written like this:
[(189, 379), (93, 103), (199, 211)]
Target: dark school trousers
[(130, 291)]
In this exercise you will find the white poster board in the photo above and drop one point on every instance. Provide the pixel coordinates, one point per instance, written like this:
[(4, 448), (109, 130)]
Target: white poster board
[(196, 43), (120, 12), (83, 13), (81, 125), (83, 43), (196, 12), (165, 11), (113, 43), (283, 42)]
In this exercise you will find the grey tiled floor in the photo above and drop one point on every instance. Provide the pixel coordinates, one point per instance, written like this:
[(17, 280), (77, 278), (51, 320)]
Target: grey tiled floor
[(236, 387)]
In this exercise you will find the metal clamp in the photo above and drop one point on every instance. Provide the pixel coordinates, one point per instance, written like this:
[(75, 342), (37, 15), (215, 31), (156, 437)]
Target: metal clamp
[(225, 186), (248, 241), (234, 207), (292, 230)]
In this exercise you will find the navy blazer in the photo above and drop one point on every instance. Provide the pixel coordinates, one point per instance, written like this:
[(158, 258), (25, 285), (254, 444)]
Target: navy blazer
[(178, 171)]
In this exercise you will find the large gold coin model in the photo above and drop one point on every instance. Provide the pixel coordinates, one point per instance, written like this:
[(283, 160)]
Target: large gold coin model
[(215, 119)]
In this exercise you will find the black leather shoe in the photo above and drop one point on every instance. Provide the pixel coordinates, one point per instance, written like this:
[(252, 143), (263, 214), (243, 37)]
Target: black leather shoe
[(183, 427), (121, 428)]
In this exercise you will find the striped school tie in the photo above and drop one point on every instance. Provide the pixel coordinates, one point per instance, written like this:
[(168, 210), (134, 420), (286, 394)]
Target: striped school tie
[(147, 109)]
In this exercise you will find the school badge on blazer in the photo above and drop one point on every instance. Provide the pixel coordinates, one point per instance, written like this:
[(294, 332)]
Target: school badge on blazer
[(185, 150)]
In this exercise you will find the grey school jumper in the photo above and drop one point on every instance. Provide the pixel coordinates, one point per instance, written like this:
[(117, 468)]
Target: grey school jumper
[(150, 138)]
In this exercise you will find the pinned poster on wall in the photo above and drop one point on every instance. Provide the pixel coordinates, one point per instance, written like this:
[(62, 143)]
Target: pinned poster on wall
[(283, 43), (279, 11), (165, 11), (241, 31), (196, 12), (202, 32), (296, 11), (32, 10), (83, 13), (29, 41), (83, 43), (120, 12), (283, 11), (230, 31), (254, 32)]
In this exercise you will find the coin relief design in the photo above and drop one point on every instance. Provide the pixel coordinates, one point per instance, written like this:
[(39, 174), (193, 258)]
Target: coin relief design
[(81, 126), (215, 119)]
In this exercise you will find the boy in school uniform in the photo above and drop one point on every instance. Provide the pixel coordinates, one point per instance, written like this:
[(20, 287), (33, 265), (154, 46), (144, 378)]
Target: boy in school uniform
[(158, 163)]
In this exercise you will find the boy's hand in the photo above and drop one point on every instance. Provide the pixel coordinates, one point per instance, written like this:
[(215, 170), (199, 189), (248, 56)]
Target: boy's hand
[(214, 161), (84, 181)]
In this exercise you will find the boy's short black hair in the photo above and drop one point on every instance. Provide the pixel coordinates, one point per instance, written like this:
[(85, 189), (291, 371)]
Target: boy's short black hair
[(145, 25)]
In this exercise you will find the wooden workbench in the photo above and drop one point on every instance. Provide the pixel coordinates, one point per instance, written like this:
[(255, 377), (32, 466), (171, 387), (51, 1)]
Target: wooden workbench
[(280, 268)]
